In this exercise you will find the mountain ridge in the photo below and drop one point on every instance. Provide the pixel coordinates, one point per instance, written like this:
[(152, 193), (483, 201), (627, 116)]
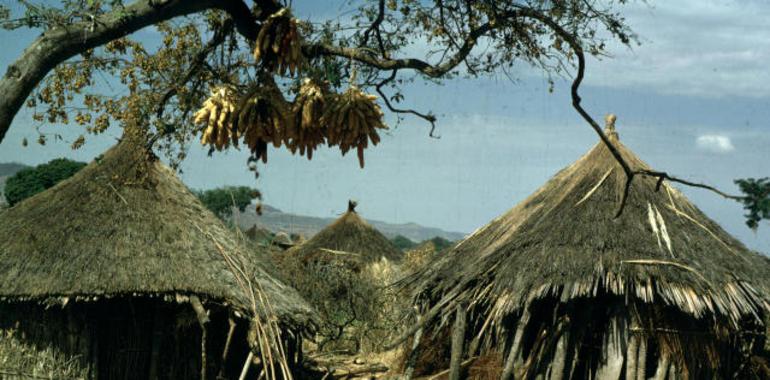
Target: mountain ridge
[(276, 220)]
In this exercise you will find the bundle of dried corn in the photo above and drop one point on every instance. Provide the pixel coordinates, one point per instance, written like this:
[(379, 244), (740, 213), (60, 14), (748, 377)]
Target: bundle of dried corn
[(308, 109), (278, 43), (265, 117), (352, 119), (217, 116)]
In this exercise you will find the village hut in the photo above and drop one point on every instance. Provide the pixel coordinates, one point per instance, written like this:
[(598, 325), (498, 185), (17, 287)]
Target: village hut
[(282, 240), (349, 235), (123, 272), (561, 287), (259, 235), (342, 271)]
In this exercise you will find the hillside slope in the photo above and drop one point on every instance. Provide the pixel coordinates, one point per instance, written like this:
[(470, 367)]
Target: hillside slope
[(277, 220)]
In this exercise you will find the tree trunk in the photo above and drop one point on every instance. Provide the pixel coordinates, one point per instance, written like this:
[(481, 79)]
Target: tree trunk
[(458, 338)]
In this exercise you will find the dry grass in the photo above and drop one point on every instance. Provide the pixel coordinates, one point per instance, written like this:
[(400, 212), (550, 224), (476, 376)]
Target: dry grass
[(21, 361)]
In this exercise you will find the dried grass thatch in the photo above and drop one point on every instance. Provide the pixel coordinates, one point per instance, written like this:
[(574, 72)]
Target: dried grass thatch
[(559, 272), (349, 235), (126, 230), (125, 225)]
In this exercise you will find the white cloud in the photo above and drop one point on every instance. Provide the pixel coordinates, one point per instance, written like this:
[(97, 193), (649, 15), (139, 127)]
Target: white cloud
[(710, 48), (715, 143)]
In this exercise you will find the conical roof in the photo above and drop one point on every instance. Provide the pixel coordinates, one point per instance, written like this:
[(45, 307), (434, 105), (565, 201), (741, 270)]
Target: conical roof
[(564, 241), (126, 225), (350, 234)]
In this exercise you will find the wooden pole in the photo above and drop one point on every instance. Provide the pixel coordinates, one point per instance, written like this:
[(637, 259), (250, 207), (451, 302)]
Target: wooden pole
[(560, 357), (663, 364), (203, 318), (513, 360), (641, 361), (72, 331), (157, 336), (458, 338), (414, 354), (226, 350), (300, 354), (631, 357), (246, 366)]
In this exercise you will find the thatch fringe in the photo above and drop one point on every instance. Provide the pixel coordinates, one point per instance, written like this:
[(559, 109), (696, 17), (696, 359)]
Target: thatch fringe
[(662, 260)]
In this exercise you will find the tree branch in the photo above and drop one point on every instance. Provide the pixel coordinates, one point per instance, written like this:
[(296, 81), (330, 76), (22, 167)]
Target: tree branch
[(195, 65), (433, 71), (428, 117), (630, 174), (58, 44)]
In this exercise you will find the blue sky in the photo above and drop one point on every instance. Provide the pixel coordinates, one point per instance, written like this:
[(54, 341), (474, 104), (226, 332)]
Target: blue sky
[(693, 99)]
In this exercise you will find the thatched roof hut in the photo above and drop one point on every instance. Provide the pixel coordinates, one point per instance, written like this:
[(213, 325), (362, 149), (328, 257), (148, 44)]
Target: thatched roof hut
[(352, 235), (560, 287), (342, 271), (124, 238)]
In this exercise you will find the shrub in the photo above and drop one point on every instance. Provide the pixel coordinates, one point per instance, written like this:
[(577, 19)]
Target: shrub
[(29, 182)]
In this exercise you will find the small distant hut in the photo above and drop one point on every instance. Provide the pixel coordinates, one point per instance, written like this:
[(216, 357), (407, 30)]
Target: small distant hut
[(561, 288), (282, 240), (342, 271), (259, 235), (122, 272), (351, 236)]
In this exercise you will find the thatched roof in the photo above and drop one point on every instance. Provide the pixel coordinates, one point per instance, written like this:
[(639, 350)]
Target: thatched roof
[(565, 242), (350, 234), (126, 225)]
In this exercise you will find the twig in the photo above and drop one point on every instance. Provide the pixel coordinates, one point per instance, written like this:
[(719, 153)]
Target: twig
[(117, 193), (429, 117)]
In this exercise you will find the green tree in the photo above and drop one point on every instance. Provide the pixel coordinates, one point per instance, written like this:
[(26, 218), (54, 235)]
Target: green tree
[(757, 200), (222, 200), (440, 243), (403, 243), (31, 181)]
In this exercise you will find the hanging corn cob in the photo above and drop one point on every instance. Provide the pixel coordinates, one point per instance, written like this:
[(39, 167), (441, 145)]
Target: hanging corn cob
[(351, 120), (308, 109), (278, 43), (217, 114), (264, 117)]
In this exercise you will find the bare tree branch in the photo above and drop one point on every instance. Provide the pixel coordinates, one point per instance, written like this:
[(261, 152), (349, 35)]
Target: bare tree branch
[(428, 117), (630, 174)]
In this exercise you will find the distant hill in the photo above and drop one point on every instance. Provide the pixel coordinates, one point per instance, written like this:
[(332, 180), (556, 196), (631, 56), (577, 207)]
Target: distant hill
[(276, 220), (8, 169)]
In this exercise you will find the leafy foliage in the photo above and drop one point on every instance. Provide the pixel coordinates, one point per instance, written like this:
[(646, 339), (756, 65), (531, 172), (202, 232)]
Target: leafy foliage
[(345, 300), (440, 243), (756, 201), (29, 182), (403, 243), (222, 200)]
